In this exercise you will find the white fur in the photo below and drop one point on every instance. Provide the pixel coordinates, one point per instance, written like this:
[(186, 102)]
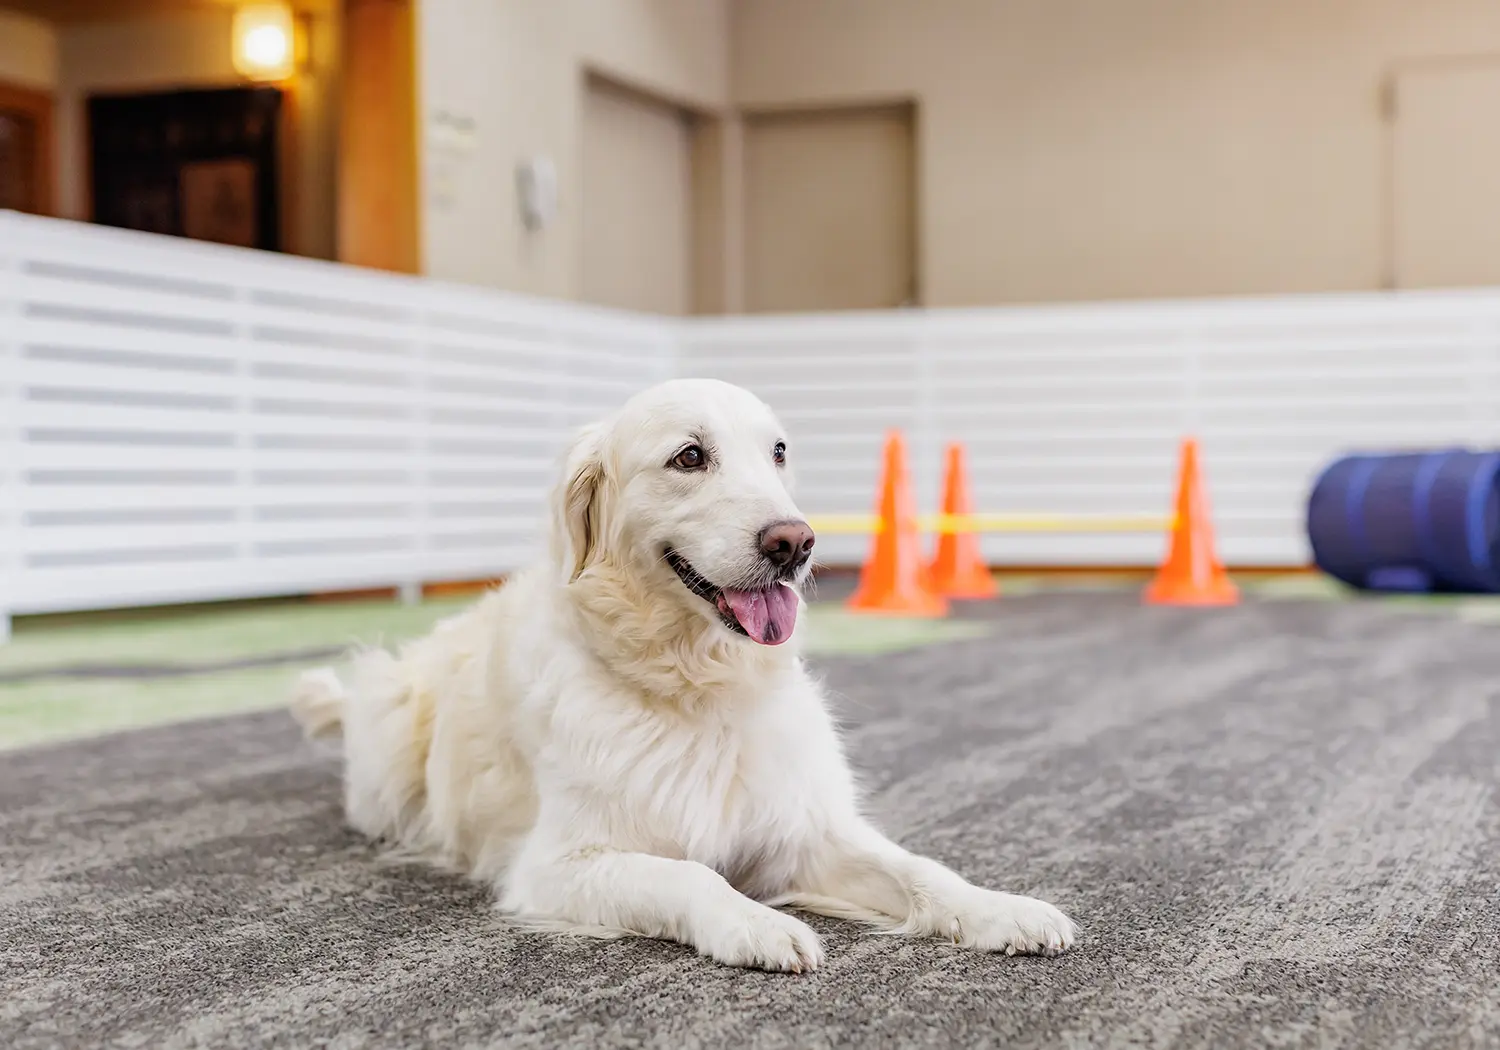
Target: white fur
[(592, 741)]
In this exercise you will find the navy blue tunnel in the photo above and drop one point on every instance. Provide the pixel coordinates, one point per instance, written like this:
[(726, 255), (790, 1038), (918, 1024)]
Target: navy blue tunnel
[(1413, 521)]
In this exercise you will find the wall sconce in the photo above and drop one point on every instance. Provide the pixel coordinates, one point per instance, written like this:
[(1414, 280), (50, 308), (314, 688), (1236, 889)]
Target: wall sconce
[(265, 42)]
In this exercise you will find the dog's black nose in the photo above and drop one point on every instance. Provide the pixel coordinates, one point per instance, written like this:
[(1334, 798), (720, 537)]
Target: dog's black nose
[(787, 543)]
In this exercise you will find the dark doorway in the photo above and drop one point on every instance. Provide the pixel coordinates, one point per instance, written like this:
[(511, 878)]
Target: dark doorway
[(197, 164)]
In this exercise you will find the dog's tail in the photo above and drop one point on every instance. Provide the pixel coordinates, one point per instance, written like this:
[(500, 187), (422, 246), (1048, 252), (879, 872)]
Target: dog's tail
[(318, 703)]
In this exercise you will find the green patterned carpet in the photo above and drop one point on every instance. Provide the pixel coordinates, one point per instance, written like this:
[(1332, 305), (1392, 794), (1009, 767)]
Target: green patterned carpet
[(125, 654), (121, 652)]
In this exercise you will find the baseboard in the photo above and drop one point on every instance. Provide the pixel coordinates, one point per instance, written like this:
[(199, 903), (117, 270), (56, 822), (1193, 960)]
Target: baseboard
[(1096, 570), (461, 588)]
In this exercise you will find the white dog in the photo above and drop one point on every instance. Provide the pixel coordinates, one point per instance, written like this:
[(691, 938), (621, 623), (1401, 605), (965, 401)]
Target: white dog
[(624, 740)]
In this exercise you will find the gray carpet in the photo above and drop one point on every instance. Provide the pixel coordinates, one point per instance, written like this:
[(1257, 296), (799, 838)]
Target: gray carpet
[(1277, 825)]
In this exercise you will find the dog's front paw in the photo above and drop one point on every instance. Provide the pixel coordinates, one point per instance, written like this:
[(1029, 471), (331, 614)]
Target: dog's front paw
[(1015, 925), (764, 939)]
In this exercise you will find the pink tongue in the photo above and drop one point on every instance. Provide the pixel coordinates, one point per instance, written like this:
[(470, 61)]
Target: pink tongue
[(767, 616)]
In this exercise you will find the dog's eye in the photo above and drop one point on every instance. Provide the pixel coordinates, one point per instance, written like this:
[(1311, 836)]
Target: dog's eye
[(778, 453), (690, 458)]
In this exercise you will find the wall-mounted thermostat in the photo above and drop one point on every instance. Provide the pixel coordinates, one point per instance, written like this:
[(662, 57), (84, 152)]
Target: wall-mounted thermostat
[(536, 191)]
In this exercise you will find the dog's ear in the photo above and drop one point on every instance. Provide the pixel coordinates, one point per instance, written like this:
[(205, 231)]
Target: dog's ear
[(575, 503)]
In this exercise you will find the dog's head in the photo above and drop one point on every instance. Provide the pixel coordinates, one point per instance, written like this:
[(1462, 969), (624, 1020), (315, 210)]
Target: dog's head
[(688, 488)]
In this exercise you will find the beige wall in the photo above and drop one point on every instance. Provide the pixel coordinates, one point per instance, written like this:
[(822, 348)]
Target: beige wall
[(28, 52), (193, 49), (1079, 149), (513, 70)]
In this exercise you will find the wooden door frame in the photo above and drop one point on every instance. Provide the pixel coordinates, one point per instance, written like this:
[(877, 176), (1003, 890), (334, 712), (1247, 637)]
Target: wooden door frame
[(37, 105), (378, 197)]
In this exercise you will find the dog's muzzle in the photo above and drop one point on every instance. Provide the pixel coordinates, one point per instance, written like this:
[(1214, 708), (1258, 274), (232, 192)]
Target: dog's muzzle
[(764, 613)]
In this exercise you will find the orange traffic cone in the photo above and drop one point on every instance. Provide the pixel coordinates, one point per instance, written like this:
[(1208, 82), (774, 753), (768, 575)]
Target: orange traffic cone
[(958, 569), (893, 580), (1192, 573)]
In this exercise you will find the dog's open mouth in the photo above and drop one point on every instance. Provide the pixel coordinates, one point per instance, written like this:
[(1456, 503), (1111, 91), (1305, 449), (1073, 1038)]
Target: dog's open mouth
[(763, 614)]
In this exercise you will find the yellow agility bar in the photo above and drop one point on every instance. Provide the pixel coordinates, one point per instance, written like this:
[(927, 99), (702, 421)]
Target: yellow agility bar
[(848, 524)]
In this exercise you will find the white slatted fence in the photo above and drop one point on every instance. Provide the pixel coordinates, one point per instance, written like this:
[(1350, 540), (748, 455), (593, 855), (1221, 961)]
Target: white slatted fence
[(1079, 410), (180, 421), (187, 422)]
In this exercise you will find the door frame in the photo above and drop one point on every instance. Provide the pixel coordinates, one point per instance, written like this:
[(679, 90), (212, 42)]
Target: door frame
[(38, 105), (379, 194)]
